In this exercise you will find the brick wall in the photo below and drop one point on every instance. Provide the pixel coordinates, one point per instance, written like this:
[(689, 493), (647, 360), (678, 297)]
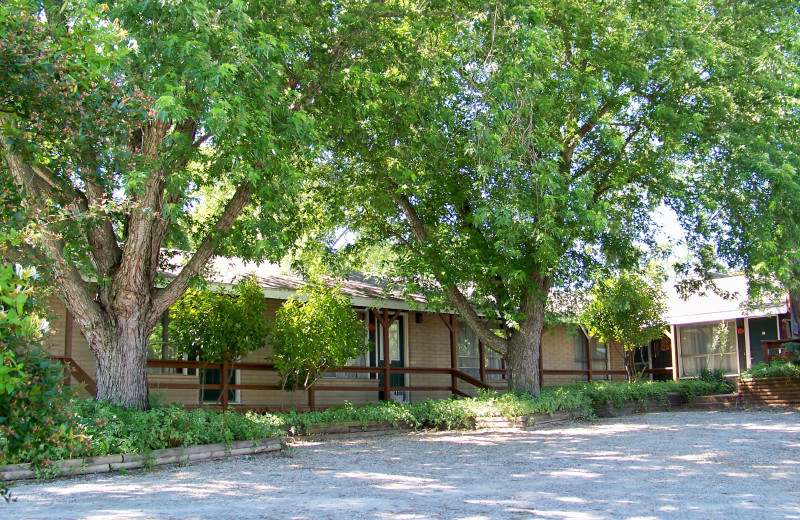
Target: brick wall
[(428, 345)]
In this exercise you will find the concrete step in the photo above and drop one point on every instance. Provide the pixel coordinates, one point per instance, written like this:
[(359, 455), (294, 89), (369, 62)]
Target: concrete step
[(713, 399)]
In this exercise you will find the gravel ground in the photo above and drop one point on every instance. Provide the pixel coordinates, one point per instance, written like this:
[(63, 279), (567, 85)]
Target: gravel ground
[(728, 464)]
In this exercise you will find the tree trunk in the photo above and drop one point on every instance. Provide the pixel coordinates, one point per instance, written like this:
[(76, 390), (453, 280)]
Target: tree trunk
[(630, 365), (121, 354), (522, 356), (794, 310)]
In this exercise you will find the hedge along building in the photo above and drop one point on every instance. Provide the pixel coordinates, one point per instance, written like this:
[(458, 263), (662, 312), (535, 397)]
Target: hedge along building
[(693, 321), (431, 354)]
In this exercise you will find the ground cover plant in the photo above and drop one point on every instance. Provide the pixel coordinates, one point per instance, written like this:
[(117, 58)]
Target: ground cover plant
[(109, 429), (776, 368)]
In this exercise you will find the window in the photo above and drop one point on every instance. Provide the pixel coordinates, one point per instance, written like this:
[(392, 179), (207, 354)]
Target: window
[(159, 347), (469, 358), (698, 351), (599, 356)]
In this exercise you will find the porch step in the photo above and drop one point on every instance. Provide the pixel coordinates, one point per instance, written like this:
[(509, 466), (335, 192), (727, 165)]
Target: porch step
[(715, 402)]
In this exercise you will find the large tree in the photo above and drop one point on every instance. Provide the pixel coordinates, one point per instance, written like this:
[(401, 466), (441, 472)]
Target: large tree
[(509, 149), (120, 121), (745, 207)]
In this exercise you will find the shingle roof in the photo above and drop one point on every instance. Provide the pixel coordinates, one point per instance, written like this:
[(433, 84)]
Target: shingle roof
[(280, 283)]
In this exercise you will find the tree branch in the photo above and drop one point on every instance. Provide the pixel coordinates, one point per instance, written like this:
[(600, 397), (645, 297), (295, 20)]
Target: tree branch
[(454, 294), (170, 294), (73, 288)]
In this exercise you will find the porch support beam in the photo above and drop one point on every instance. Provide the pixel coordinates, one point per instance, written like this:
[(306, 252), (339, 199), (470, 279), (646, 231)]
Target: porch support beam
[(673, 346), (452, 326), (589, 357), (482, 355), (68, 319)]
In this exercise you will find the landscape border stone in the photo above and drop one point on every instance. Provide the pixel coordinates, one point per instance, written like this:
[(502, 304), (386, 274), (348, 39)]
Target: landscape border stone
[(126, 461)]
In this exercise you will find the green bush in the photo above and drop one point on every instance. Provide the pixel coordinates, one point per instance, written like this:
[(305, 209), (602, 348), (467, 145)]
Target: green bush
[(312, 332), (777, 368), (114, 429), (35, 424)]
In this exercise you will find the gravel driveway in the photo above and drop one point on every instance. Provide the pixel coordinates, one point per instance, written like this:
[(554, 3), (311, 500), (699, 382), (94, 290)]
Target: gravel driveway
[(662, 465)]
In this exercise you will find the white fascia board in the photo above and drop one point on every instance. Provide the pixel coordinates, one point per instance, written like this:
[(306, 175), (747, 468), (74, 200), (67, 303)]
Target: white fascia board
[(725, 315), (370, 303)]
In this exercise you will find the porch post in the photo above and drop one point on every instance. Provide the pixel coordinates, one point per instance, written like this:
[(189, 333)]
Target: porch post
[(312, 401), (68, 319), (453, 352), (225, 382), (589, 357), (673, 346), (541, 364), (387, 370), (482, 355)]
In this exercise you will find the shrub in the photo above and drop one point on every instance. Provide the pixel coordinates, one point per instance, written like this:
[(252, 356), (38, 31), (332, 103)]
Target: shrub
[(114, 429), (217, 327), (312, 332), (777, 368), (35, 425)]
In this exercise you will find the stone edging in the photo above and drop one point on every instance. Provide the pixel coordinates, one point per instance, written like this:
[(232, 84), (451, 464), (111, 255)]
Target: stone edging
[(108, 463), (85, 466)]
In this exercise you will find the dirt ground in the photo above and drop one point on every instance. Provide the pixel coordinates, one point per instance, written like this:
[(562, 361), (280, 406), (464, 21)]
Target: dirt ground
[(663, 465)]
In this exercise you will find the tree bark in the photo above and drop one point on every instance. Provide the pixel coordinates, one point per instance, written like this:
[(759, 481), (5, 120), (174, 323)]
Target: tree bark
[(522, 355), (121, 353), (117, 312)]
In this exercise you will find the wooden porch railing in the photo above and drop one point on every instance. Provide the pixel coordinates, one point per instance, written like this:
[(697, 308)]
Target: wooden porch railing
[(769, 345), (329, 384), (74, 370)]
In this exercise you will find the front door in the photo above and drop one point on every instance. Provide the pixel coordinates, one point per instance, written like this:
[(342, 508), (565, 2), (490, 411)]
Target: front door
[(760, 329), (397, 353)]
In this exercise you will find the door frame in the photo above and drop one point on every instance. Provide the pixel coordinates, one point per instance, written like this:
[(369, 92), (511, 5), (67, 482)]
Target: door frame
[(377, 350)]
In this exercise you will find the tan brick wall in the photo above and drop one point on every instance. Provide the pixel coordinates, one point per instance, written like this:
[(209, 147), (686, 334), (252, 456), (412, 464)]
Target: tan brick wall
[(428, 345), (558, 353)]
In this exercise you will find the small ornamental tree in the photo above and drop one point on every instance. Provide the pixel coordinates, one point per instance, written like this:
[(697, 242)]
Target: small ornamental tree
[(219, 327), (313, 332), (628, 310)]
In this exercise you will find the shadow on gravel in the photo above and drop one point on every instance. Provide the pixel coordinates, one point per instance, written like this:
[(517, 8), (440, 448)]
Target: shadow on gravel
[(672, 465)]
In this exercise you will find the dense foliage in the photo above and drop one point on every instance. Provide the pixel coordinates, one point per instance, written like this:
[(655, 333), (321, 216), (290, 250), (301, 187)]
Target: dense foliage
[(112, 429), (130, 125), (314, 330), (35, 423), (776, 368), (524, 146), (217, 326), (628, 309)]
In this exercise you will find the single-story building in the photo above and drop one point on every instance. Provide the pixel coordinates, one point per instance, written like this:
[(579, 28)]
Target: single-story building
[(432, 355), (693, 322)]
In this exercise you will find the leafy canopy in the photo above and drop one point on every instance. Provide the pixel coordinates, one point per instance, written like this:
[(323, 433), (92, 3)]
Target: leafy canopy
[(628, 309), (315, 330), (220, 326)]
